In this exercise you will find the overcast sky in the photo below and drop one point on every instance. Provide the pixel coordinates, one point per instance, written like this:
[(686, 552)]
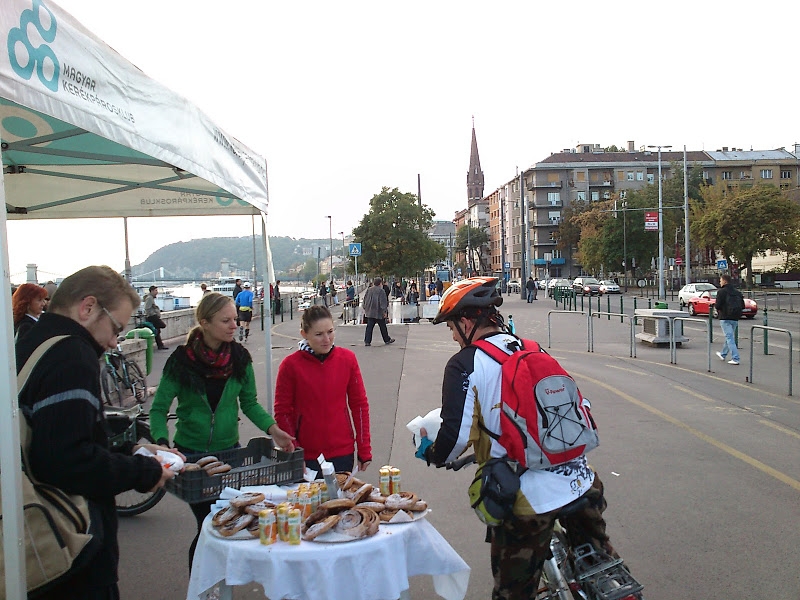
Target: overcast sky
[(342, 98)]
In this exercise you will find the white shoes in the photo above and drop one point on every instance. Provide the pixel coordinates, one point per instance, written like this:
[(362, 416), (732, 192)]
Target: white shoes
[(733, 362), (719, 354)]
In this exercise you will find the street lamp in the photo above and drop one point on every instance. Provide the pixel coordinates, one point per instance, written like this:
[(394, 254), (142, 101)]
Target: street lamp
[(661, 292), (625, 243), (344, 258), (330, 234)]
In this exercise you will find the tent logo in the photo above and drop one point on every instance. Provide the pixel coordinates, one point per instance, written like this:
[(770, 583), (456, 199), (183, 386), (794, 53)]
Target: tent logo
[(40, 57)]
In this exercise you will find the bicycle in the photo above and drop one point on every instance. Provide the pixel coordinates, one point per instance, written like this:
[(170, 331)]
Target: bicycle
[(132, 425), (581, 573), (122, 379)]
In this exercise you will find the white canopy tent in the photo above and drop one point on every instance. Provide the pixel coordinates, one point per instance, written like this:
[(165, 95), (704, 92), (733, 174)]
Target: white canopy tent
[(84, 133)]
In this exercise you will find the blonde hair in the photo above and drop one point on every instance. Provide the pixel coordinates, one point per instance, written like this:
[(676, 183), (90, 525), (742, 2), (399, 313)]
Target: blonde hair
[(209, 305)]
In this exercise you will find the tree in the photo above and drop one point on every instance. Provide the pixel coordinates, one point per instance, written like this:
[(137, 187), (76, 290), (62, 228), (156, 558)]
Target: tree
[(477, 238), (743, 222), (394, 235)]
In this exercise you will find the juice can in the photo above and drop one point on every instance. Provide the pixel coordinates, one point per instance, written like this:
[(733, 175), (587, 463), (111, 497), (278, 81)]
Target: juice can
[(293, 522), (283, 521), (305, 504), (267, 526), (384, 480), (394, 481)]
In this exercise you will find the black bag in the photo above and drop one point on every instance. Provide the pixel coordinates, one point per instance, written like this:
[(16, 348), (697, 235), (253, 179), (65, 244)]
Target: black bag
[(494, 490), (734, 305)]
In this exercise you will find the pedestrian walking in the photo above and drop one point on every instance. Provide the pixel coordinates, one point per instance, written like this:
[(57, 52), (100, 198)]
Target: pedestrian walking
[(530, 286), (729, 305), (376, 306)]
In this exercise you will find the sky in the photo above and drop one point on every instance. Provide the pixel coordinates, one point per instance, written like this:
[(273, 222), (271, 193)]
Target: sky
[(343, 98)]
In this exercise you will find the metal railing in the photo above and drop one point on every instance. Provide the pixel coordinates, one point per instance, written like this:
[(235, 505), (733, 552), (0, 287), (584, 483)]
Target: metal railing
[(765, 328), (622, 316), (673, 352), (566, 312)]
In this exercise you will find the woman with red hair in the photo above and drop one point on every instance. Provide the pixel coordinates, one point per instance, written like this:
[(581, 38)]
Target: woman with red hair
[(28, 302)]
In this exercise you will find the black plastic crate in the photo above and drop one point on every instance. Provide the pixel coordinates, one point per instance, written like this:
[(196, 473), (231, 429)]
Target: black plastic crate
[(260, 463)]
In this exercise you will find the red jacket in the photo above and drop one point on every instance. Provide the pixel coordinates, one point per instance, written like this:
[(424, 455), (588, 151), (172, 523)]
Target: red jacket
[(312, 400)]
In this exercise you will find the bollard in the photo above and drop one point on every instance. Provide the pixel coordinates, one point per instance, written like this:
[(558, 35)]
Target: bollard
[(649, 302), (291, 308), (634, 304), (272, 310), (583, 299), (621, 310), (608, 303), (766, 332), (710, 327)]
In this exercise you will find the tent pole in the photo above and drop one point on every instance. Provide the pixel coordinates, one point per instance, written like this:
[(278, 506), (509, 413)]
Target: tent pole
[(10, 467), (127, 254), (267, 308)]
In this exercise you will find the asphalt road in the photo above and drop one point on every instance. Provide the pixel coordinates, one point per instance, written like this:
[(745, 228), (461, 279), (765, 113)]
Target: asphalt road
[(701, 468)]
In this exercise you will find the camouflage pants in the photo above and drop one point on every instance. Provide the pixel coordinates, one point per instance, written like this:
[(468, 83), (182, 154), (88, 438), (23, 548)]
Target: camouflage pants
[(522, 544)]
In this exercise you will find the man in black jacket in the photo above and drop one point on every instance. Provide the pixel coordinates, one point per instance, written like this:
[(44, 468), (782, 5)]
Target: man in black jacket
[(61, 402), (729, 305)]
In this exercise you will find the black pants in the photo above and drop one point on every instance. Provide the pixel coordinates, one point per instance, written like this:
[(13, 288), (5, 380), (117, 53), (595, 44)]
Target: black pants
[(340, 464), (159, 325), (371, 325)]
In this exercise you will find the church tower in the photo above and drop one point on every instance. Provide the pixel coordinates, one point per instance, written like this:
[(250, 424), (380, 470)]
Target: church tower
[(474, 175)]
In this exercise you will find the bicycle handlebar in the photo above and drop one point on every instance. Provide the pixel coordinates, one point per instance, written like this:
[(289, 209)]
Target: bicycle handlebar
[(456, 465)]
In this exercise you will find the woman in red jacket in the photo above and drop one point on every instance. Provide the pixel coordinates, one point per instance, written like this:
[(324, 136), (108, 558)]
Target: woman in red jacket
[(330, 419)]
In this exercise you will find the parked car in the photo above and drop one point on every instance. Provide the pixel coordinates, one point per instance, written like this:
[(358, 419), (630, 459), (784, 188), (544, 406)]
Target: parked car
[(557, 282), (514, 286), (586, 285), (700, 305), (608, 286), (693, 289)]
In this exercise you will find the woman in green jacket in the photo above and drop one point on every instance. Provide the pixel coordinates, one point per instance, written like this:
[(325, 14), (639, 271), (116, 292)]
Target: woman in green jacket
[(212, 377)]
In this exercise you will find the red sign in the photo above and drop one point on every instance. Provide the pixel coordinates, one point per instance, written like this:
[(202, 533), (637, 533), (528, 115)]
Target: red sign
[(678, 261), (651, 221)]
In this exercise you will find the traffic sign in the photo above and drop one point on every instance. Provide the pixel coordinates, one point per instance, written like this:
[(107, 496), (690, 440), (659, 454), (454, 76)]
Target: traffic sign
[(651, 221), (507, 265), (355, 249), (678, 261), (722, 264)]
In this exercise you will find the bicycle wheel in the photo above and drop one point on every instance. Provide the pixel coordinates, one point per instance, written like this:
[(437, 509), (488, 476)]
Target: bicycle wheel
[(132, 503), (110, 385), (138, 382)]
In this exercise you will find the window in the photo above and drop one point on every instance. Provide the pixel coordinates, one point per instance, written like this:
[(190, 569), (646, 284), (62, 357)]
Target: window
[(554, 198), (766, 173), (786, 174), (650, 178), (557, 254), (581, 176), (745, 175), (554, 216), (620, 175), (630, 175), (595, 196), (726, 175), (553, 178), (552, 236), (580, 196), (639, 176), (705, 174)]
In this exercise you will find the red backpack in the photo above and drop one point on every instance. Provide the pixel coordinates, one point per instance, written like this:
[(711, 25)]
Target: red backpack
[(544, 421)]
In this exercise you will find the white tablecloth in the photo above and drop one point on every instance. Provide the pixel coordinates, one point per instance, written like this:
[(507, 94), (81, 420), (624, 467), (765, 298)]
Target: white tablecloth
[(375, 568)]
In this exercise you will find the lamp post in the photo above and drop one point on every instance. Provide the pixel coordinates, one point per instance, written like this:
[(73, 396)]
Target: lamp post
[(625, 243), (469, 245), (661, 291), (330, 234), (344, 258)]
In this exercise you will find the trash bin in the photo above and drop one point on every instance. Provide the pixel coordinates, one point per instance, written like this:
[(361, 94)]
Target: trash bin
[(660, 305), (147, 334)]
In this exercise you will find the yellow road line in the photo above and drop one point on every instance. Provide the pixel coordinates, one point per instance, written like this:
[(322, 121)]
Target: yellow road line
[(780, 428), (634, 371), (757, 464)]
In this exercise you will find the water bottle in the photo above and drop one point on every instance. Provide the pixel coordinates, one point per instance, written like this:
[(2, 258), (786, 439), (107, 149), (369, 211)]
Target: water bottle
[(511, 327)]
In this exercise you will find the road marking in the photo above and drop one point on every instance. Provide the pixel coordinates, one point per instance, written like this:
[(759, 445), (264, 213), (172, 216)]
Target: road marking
[(780, 428), (635, 372), (755, 463)]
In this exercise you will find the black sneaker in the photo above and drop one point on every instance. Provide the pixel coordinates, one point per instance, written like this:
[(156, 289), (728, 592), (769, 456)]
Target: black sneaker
[(391, 341), (163, 347), (367, 344)]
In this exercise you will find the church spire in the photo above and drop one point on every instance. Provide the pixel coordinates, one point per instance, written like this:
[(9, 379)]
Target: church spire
[(474, 175)]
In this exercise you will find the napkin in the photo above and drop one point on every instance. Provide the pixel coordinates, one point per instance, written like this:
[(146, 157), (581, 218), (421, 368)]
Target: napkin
[(431, 422)]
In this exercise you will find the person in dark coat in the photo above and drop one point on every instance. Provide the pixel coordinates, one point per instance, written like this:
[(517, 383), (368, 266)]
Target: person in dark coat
[(28, 302)]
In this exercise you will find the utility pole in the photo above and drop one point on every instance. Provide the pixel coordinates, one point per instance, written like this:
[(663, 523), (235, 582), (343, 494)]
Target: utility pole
[(523, 238), (686, 217), (504, 284), (661, 291)]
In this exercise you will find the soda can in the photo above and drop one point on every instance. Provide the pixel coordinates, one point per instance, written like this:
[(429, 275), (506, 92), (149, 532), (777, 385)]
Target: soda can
[(283, 521), (384, 480), (293, 521), (267, 526), (394, 481)]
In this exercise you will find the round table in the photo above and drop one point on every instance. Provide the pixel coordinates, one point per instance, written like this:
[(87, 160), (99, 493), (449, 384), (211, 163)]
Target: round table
[(375, 568)]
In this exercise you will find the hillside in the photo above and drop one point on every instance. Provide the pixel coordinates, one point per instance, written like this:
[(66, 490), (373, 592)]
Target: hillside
[(190, 260)]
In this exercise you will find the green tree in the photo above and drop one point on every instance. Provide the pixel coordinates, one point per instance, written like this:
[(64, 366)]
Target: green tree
[(568, 233), (744, 222), (478, 240), (393, 235), (309, 271)]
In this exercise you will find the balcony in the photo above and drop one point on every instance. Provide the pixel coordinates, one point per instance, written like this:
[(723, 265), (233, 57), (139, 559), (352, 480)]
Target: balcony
[(545, 203), (544, 185), (547, 223), (605, 183)]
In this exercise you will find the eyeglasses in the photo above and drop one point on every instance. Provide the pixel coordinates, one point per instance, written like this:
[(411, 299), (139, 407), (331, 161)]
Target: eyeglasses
[(117, 327)]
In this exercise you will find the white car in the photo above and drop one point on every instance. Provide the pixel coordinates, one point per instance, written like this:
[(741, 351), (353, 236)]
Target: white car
[(690, 290), (557, 282), (608, 286)]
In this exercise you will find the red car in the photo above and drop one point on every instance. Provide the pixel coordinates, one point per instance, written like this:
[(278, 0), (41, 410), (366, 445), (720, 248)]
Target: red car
[(699, 305)]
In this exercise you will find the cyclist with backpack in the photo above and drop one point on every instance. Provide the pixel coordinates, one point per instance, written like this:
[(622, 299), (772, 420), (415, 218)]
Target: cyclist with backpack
[(524, 477), (729, 305)]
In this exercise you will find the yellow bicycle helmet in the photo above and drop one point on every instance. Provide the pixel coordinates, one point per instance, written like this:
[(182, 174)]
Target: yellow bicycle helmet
[(467, 297)]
